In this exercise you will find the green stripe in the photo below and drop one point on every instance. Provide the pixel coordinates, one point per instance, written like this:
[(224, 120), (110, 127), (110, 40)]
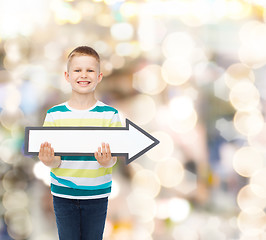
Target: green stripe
[(78, 158), (61, 108), (78, 192), (84, 173), (104, 109)]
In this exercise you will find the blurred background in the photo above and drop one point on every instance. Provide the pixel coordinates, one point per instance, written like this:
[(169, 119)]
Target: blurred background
[(190, 72)]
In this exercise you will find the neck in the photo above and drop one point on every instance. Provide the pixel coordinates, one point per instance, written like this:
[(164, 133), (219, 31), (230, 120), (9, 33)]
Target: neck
[(82, 102)]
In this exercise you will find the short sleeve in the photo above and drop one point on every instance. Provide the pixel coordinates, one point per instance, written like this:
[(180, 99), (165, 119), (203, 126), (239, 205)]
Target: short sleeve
[(116, 122), (49, 121)]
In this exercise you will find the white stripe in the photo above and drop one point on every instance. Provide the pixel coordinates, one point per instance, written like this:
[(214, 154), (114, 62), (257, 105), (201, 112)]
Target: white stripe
[(81, 197), (55, 182), (85, 181), (80, 164)]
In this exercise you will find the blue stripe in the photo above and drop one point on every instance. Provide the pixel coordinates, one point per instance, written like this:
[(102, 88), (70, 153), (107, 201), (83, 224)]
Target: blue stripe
[(75, 186), (104, 109), (78, 192), (61, 108), (78, 158)]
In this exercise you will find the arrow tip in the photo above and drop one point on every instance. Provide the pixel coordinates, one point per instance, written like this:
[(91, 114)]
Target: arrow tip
[(152, 141)]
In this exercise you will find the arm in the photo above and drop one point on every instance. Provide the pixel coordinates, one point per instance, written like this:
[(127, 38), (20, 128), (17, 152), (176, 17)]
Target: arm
[(46, 155), (104, 156)]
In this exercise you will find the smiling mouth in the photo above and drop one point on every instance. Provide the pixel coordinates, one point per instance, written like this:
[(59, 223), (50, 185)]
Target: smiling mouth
[(84, 83)]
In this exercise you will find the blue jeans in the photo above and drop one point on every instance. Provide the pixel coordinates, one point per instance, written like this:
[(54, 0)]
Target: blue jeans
[(80, 219)]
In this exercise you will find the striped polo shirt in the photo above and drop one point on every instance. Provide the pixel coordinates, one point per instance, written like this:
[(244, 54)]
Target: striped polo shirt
[(81, 177)]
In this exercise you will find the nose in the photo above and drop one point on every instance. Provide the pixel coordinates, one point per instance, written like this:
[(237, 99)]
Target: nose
[(84, 74)]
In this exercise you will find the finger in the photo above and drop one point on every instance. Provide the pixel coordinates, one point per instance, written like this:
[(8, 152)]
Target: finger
[(99, 154), (40, 152), (108, 150), (44, 148), (45, 151), (49, 151), (41, 148), (103, 149), (47, 144)]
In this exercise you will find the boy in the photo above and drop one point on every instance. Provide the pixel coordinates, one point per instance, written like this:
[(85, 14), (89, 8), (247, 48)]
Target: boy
[(81, 185)]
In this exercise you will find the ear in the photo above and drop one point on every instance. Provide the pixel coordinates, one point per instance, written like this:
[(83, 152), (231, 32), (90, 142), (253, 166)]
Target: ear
[(67, 76), (100, 77)]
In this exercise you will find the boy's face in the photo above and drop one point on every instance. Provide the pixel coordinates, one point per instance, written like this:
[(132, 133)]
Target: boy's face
[(83, 74)]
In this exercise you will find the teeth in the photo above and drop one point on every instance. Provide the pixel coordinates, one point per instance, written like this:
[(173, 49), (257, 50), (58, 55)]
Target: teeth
[(83, 83)]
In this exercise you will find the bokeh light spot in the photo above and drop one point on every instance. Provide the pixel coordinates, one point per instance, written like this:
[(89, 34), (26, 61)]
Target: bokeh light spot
[(148, 80), (176, 71), (249, 123), (247, 160), (170, 172), (146, 181), (236, 73)]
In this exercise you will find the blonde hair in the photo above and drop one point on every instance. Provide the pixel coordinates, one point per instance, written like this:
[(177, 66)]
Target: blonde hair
[(83, 51)]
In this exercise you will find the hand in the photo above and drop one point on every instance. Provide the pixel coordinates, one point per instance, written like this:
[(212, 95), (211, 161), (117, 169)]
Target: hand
[(104, 156), (46, 155)]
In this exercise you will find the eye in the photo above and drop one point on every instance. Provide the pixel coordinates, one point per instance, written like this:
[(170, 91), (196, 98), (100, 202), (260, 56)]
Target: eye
[(90, 70), (76, 70)]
